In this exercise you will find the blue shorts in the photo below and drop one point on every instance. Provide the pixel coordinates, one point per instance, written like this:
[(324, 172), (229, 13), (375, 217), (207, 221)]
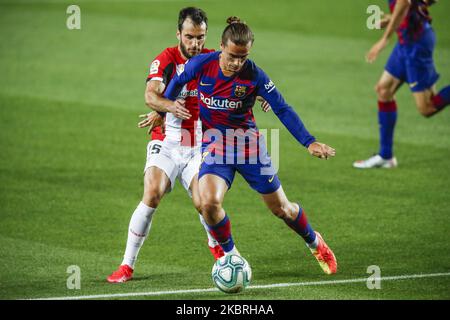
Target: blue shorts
[(261, 176), (413, 62)]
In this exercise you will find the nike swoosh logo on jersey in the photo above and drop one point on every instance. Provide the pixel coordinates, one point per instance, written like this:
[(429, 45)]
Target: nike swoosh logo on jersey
[(412, 85), (205, 84)]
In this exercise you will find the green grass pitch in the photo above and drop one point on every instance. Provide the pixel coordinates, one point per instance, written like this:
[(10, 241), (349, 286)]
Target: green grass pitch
[(71, 155)]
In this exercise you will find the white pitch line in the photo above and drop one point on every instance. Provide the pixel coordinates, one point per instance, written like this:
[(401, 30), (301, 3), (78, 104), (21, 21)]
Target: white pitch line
[(275, 285)]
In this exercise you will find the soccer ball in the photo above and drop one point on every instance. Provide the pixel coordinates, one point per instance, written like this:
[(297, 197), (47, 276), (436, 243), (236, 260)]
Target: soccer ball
[(231, 273)]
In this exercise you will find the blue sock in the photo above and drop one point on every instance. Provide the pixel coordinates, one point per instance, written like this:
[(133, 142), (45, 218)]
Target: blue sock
[(222, 233), (387, 117), (302, 227)]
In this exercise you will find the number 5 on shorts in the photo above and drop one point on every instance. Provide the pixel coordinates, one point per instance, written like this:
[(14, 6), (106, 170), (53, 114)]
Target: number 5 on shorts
[(156, 148)]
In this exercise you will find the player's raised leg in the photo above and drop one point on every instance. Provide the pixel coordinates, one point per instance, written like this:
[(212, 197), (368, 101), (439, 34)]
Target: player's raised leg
[(156, 183), (387, 118), (295, 217), (441, 99), (429, 102), (422, 76), (212, 190)]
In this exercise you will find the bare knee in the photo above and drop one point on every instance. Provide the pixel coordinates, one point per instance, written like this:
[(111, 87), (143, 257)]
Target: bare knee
[(426, 109), (152, 195), (156, 183), (384, 92), (212, 212), (210, 207)]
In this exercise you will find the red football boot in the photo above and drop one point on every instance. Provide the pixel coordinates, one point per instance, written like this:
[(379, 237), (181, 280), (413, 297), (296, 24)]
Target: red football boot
[(123, 274), (325, 256)]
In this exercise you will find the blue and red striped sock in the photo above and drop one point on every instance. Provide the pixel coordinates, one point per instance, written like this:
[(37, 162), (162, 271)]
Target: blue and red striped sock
[(302, 227), (222, 233), (442, 99), (387, 117)]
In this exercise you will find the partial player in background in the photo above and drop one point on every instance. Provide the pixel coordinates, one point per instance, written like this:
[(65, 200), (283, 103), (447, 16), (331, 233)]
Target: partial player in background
[(228, 85), (169, 155), (411, 61)]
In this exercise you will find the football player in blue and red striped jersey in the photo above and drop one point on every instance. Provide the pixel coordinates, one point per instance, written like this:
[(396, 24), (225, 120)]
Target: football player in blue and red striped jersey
[(228, 84), (411, 61)]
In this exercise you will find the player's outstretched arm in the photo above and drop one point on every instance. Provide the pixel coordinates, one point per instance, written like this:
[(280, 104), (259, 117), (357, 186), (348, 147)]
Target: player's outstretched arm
[(321, 150), (291, 119), (284, 112)]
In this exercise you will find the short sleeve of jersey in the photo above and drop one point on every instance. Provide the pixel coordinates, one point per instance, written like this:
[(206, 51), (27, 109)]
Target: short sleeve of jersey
[(163, 68)]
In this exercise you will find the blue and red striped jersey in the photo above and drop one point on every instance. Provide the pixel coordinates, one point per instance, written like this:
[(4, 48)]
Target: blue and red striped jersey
[(227, 102), (415, 22)]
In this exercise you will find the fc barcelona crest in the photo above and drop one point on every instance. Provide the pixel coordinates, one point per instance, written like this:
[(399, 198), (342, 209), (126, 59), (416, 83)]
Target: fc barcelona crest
[(240, 91)]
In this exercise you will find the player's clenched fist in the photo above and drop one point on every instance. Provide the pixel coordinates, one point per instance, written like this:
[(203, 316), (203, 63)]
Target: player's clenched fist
[(321, 150)]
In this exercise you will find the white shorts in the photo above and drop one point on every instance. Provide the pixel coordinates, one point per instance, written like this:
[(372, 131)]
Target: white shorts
[(174, 160)]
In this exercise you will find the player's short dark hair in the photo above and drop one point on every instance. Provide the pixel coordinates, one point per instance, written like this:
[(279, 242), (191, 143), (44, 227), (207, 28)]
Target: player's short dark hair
[(237, 32), (197, 16)]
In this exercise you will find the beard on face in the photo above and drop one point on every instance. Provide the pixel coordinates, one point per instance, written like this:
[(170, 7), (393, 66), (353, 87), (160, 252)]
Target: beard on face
[(185, 51)]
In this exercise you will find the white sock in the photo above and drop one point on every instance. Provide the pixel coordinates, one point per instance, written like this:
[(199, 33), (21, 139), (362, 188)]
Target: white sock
[(211, 241), (233, 251), (138, 230), (313, 245)]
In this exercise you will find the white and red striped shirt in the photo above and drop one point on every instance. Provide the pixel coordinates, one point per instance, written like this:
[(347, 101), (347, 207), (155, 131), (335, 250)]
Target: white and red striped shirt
[(186, 132)]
